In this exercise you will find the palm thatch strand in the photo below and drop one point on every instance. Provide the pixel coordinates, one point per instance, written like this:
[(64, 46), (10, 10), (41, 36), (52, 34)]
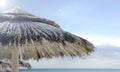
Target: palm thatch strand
[(37, 37), (25, 64)]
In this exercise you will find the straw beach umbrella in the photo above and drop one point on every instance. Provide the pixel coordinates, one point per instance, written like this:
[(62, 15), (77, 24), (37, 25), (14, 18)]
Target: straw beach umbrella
[(25, 36)]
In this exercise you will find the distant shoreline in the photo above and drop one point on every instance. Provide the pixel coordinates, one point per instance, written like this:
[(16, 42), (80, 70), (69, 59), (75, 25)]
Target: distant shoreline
[(74, 68)]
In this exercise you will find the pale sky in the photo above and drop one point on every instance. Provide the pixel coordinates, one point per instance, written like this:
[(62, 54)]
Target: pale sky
[(95, 20)]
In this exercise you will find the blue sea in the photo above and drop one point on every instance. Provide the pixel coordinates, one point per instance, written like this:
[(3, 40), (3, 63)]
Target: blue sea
[(70, 70)]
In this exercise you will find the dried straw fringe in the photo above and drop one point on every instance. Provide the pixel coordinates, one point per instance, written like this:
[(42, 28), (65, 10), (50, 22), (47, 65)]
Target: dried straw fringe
[(48, 49)]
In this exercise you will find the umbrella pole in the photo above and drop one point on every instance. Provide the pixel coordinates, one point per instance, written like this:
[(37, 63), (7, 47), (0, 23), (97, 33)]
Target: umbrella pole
[(15, 60)]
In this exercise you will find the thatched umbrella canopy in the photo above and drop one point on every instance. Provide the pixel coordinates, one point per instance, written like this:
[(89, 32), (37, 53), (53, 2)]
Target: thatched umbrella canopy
[(31, 37)]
